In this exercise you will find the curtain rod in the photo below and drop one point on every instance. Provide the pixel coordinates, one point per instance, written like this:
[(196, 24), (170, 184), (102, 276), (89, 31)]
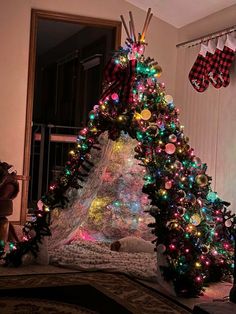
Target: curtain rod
[(199, 40)]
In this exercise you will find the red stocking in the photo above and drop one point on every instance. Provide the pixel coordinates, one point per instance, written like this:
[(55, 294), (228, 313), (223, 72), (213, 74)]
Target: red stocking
[(213, 65), (226, 59), (196, 74)]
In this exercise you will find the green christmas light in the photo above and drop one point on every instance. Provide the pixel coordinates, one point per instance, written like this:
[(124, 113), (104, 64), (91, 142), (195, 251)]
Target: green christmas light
[(139, 136), (117, 203), (186, 217), (173, 126), (67, 172), (84, 146), (11, 245), (92, 116), (149, 179)]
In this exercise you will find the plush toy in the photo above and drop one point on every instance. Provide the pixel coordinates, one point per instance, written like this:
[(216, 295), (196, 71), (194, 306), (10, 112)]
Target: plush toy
[(9, 188), (133, 245)]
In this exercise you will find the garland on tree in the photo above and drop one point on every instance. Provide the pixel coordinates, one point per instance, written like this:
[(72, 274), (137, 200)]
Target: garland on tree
[(193, 226)]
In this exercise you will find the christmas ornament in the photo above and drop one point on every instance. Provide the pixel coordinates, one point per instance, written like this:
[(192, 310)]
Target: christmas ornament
[(173, 138), (181, 210), (168, 99), (157, 69), (115, 96), (170, 148), (191, 198), (162, 192), (228, 223), (212, 196), (181, 193), (205, 249), (161, 248), (197, 161), (146, 114), (27, 259), (168, 185), (177, 164), (195, 220), (201, 180)]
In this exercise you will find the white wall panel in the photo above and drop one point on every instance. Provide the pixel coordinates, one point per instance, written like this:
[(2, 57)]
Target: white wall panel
[(209, 120)]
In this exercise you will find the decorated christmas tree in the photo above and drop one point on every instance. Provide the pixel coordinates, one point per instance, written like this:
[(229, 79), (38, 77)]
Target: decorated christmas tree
[(193, 227)]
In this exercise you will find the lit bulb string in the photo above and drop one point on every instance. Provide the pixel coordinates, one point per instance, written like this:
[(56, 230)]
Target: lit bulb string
[(117, 208), (176, 182)]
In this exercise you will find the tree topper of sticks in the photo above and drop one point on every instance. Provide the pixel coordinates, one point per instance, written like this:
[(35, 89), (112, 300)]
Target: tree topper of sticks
[(131, 34)]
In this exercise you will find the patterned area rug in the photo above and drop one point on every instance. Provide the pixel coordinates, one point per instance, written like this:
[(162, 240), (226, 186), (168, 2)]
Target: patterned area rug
[(127, 296), (26, 306)]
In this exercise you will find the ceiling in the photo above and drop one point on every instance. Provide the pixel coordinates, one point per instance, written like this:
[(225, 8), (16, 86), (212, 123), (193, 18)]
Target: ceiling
[(182, 12)]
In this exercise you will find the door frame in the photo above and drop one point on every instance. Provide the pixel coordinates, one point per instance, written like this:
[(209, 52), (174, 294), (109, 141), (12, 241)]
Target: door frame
[(56, 16)]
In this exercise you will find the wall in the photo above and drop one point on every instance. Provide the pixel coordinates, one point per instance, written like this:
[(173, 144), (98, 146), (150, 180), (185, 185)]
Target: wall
[(14, 38), (210, 24), (209, 117)]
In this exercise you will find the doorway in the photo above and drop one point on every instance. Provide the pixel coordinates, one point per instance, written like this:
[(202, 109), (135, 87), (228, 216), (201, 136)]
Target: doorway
[(67, 56)]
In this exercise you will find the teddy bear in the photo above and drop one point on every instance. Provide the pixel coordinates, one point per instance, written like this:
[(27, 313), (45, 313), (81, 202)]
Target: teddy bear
[(9, 188)]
